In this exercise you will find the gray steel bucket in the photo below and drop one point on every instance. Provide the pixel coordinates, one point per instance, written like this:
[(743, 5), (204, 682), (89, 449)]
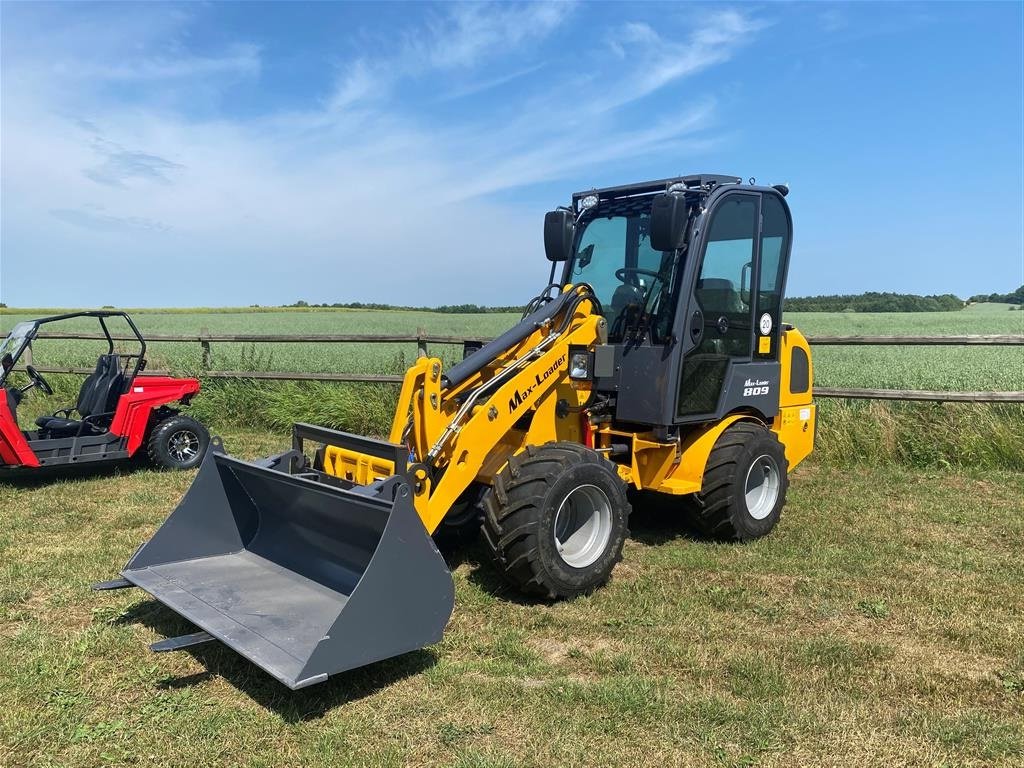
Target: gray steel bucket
[(300, 576)]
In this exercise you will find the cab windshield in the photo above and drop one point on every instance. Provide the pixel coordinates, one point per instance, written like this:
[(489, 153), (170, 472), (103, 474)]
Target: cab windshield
[(11, 346), (15, 339), (631, 279)]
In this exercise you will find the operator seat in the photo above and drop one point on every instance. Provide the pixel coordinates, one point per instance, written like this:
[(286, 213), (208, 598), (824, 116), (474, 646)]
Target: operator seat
[(718, 297), (625, 308), (99, 395)]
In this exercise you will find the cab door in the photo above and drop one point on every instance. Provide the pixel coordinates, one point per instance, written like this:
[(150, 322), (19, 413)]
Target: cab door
[(731, 330)]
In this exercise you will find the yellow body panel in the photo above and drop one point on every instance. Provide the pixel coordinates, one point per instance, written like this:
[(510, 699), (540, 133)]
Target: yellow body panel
[(355, 466), (539, 404), (795, 423)]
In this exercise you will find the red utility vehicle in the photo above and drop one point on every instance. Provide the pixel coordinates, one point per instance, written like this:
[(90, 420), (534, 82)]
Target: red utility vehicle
[(119, 411)]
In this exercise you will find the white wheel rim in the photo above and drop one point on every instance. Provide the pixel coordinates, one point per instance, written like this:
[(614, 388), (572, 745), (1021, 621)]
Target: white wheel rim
[(183, 445), (762, 487), (583, 526)]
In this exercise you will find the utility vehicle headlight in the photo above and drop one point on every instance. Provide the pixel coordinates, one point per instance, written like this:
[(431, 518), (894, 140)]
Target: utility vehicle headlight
[(588, 202), (579, 366)]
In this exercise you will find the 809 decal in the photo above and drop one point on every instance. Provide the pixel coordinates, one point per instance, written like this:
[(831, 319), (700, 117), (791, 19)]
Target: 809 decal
[(755, 387)]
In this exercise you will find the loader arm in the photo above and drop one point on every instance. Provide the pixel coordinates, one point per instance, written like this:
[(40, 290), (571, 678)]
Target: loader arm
[(453, 430)]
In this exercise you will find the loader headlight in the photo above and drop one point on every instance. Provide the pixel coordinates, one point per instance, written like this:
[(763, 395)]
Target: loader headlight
[(579, 366), (588, 202)]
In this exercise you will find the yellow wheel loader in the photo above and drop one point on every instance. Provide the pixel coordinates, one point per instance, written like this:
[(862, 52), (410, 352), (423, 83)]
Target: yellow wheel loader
[(655, 360)]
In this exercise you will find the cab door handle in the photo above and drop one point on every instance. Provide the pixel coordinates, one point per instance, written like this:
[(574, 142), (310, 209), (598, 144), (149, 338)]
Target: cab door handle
[(696, 326)]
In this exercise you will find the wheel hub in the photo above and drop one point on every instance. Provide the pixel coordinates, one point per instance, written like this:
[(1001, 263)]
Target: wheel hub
[(183, 445), (761, 490), (583, 526)]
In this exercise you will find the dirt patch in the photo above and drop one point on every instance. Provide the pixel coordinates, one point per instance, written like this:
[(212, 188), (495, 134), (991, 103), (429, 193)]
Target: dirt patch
[(556, 652)]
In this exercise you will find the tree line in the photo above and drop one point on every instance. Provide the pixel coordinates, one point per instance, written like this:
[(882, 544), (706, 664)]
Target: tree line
[(875, 302), (1017, 297)]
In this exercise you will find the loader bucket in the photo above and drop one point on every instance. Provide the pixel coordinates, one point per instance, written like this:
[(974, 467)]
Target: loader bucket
[(300, 576)]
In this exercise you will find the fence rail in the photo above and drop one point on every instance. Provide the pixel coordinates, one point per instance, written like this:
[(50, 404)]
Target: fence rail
[(422, 339), (997, 339)]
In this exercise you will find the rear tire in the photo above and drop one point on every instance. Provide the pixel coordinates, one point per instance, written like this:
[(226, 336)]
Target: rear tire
[(555, 520), (745, 483), (178, 442)]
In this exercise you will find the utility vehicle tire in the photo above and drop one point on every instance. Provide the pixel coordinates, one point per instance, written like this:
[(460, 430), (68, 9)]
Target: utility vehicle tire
[(555, 520), (178, 442), (744, 486), (461, 526)]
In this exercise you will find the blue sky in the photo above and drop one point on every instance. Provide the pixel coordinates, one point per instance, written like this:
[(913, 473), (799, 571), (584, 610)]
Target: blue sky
[(229, 154)]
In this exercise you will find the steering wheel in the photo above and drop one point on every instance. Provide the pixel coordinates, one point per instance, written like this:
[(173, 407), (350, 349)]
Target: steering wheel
[(624, 273), (38, 380)]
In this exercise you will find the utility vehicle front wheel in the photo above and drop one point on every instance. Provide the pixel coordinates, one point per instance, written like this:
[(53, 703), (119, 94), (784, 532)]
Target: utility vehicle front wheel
[(745, 484), (556, 519), (178, 442)]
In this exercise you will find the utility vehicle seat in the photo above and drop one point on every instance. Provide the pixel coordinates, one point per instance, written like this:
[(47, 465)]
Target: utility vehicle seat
[(99, 394)]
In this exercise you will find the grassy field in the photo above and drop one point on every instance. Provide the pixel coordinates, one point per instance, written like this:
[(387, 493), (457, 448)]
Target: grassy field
[(895, 367), (881, 623), (929, 435)]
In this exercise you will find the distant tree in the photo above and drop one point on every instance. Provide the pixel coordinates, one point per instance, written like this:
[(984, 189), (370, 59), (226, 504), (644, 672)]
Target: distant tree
[(1016, 297), (875, 302), (2, 305)]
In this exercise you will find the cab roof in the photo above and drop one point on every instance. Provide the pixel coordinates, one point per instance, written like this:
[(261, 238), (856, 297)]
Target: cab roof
[(701, 181)]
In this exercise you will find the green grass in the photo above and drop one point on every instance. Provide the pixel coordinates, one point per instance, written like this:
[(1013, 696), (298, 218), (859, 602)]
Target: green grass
[(921, 435), (880, 623)]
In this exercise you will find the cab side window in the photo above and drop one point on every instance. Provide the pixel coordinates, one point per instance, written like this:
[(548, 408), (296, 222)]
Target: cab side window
[(774, 244)]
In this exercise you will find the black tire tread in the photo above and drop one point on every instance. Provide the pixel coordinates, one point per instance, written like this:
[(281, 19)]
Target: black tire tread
[(156, 435), (511, 511), (713, 510)]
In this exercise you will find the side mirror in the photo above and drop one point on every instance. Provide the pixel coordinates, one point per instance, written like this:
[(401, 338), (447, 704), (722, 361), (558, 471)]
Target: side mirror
[(559, 231), (7, 362), (669, 213)]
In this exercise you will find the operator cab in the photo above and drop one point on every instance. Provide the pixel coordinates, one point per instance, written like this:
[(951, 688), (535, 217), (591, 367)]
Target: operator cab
[(689, 273)]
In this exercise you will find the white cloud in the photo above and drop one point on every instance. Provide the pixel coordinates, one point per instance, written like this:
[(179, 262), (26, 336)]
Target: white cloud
[(357, 197), (243, 60), (655, 62), (472, 31)]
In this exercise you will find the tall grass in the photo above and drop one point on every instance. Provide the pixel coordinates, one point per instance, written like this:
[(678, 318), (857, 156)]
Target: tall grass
[(965, 435), (924, 435), (935, 435)]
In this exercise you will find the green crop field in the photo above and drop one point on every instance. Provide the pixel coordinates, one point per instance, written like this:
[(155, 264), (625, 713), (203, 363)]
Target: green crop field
[(883, 367), (924, 435)]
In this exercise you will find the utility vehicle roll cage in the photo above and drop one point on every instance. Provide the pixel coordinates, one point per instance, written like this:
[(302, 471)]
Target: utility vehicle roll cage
[(101, 316)]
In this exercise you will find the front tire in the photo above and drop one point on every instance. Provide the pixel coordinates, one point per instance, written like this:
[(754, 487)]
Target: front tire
[(745, 483), (178, 442), (556, 519)]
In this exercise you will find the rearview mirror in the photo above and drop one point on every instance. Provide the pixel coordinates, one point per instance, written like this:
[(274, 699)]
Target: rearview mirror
[(559, 231), (669, 213)]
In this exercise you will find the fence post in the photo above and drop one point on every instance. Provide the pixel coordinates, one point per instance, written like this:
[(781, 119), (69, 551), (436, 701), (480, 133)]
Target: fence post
[(421, 343), (206, 363)]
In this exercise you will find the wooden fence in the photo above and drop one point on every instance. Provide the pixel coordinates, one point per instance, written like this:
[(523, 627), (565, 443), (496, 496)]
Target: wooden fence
[(422, 340)]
